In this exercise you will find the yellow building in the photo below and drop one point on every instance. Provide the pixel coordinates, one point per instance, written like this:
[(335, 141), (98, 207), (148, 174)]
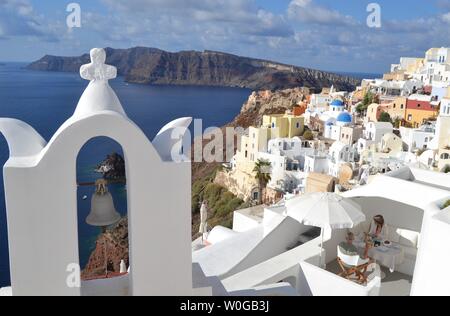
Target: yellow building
[(397, 109), (256, 139), (250, 144), (395, 76), (284, 125), (412, 65), (374, 111)]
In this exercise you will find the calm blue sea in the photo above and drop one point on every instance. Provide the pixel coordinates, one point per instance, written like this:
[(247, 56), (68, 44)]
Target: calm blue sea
[(45, 100)]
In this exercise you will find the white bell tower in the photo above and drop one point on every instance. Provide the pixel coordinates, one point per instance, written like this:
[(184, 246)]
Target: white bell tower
[(41, 198)]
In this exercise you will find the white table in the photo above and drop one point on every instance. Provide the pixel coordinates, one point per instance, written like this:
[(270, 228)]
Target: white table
[(388, 257)]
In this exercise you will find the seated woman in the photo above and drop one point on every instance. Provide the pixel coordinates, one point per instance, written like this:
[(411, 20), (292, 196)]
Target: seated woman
[(379, 229)]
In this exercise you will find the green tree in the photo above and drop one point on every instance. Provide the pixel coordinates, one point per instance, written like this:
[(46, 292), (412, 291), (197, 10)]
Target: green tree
[(397, 123), (385, 117), (262, 172), (369, 98)]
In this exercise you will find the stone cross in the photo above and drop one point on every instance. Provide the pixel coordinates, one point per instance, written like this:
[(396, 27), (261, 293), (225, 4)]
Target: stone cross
[(97, 70)]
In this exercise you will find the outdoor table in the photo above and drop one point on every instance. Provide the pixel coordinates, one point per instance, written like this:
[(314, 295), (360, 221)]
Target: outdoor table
[(388, 257)]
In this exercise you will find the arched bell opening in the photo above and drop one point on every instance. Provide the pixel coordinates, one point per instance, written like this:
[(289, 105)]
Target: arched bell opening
[(102, 210)]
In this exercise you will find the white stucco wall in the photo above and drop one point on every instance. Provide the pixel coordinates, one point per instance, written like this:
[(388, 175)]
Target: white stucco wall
[(431, 277)]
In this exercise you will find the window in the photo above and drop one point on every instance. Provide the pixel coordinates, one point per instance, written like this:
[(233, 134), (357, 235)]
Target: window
[(445, 156), (418, 105), (410, 117), (298, 125), (402, 106), (273, 125)]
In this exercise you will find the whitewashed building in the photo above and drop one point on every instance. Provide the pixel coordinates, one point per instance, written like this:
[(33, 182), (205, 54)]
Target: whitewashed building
[(317, 163), (419, 138), (373, 134), (287, 158), (341, 154)]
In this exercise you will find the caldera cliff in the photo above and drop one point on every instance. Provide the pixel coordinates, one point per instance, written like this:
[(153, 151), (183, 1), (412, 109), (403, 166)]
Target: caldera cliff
[(208, 68)]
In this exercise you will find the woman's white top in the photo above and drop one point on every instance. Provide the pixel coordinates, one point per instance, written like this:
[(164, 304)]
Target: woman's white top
[(384, 232)]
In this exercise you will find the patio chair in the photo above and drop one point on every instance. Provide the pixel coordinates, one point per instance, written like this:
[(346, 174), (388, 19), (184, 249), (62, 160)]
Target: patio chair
[(354, 268)]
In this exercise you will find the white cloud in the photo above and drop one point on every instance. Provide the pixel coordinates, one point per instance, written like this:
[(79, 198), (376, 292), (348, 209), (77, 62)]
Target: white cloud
[(203, 19), (18, 19), (307, 11)]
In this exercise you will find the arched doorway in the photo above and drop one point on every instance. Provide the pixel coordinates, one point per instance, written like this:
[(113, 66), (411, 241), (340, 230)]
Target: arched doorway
[(101, 250)]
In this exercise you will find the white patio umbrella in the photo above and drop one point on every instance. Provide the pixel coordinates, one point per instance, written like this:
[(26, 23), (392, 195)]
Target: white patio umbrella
[(203, 220), (325, 210)]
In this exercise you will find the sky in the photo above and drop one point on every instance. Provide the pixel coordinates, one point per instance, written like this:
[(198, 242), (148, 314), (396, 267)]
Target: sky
[(323, 34)]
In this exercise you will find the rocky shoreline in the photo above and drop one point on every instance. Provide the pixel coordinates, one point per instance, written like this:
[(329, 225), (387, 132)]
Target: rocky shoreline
[(115, 242)]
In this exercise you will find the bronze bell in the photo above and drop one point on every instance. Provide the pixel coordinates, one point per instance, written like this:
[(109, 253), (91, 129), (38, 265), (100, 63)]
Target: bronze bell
[(103, 213)]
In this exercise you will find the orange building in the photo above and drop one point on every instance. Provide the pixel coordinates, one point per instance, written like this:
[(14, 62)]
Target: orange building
[(299, 109), (419, 109)]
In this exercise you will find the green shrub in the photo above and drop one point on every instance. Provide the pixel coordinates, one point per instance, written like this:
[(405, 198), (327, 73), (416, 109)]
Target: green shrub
[(447, 204), (385, 117), (221, 202), (213, 194), (198, 190), (446, 169), (308, 135)]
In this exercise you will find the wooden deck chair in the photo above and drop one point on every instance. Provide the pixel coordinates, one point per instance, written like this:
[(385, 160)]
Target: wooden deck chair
[(354, 268)]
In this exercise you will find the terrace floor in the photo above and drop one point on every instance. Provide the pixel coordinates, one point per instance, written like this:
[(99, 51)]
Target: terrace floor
[(394, 284)]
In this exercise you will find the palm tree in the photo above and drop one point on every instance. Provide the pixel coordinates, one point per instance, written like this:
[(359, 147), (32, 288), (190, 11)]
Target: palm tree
[(262, 174)]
